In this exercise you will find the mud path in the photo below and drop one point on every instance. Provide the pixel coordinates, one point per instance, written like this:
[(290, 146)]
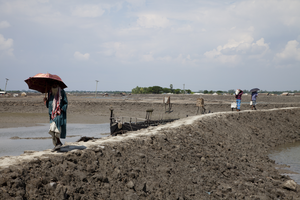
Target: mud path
[(212, 156)]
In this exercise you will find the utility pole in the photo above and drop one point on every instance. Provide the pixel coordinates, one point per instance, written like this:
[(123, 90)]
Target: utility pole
[(183, 88), (96, 87), (6, 84)]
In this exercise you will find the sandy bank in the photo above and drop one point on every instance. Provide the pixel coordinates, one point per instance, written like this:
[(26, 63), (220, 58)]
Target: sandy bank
[(213, 156)]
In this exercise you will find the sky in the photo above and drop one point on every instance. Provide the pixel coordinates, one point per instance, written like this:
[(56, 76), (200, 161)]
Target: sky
[(195, 44)]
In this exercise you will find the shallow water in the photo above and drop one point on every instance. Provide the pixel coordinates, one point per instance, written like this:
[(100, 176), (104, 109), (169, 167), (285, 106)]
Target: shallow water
[(14, 147), (288, 154)]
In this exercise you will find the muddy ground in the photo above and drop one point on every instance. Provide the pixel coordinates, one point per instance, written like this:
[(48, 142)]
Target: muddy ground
[(27, 111), (220, 155)]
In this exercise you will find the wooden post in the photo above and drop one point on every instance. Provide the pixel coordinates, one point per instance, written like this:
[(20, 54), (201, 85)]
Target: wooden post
[(167, 103), (200, 104)]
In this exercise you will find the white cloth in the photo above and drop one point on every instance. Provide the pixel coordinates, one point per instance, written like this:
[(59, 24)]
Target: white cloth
[(233, 105), (54, 132)]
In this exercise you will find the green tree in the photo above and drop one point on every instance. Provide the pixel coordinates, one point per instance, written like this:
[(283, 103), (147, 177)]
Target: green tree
[(136, 90), (177, 91), (188, 91), (166, 90), (155, 90), (143, 90), (231, 91), (171, 87), (205, 91)]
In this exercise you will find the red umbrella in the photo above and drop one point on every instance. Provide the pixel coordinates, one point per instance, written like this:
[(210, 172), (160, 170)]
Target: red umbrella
[(43, 82)]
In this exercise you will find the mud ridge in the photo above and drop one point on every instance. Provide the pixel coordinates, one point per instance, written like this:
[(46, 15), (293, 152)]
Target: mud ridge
[(213, 156)]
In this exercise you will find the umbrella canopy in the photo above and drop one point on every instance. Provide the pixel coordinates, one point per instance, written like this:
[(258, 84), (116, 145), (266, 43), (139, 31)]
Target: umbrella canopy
[(254, 90), (43, 82)]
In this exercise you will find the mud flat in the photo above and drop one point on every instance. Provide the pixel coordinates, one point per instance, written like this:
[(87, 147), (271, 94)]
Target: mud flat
[(28, 111), (221, 155)]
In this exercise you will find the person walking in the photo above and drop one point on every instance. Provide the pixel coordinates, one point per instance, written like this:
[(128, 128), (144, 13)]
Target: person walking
[(57, 104), (253, 100), (238, 96)]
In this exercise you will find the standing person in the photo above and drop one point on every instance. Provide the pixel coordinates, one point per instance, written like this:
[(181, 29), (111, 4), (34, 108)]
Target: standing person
[(57, 103), (253, 100), (238, 96)]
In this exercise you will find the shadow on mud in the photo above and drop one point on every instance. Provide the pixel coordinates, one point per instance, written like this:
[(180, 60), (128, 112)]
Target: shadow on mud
[(70, 148)]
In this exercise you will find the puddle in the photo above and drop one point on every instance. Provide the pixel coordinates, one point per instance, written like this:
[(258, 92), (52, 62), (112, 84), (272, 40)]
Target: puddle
[(288, 154), (37, 137)]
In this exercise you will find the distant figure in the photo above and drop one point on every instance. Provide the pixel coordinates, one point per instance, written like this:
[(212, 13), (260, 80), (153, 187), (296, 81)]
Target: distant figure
[(238, 96), (253, 100), (57, 103)]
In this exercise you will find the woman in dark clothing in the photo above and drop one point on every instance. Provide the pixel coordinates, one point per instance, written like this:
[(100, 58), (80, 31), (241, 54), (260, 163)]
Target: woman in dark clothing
[(57, 104)]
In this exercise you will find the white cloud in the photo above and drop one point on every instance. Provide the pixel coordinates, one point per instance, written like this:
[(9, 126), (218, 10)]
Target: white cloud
[(152, 21), (87, 11), (6, 46), (231, 51), (136, 3), (43, 1), (170, 35), (4, 24), (80, 56), (147, 57), (166, 58), (122, 51), (291, 51), (180, 59)]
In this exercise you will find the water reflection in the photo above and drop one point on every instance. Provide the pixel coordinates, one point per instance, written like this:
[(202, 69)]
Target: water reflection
[(14, 147), (288, 154)]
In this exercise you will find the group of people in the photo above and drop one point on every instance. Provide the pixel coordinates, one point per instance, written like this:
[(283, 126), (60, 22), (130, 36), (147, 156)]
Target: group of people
[(57, 104), (238, 96)]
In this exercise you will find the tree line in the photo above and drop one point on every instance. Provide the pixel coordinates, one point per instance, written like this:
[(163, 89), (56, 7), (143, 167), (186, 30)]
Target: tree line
[(159, 90)]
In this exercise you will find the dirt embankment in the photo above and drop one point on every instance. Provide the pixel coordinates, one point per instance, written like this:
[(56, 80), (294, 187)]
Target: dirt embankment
[(212, 156)]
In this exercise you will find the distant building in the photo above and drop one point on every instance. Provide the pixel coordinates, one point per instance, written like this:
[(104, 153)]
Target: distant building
[(196, 93)]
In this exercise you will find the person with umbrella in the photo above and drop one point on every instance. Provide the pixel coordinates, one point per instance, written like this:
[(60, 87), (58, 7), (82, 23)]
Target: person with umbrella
[(238, 96), (253, 98), (56, 102)]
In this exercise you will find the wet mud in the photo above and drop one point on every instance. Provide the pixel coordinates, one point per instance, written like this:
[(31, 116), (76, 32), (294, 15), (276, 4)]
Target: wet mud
[(213, 156), (28, 111)]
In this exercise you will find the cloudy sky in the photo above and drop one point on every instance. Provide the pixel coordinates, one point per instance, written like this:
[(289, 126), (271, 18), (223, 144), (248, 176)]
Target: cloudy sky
[(202, 44)]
